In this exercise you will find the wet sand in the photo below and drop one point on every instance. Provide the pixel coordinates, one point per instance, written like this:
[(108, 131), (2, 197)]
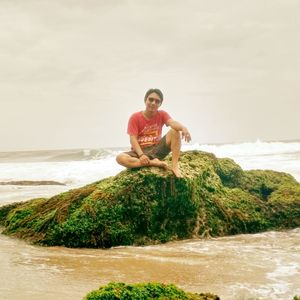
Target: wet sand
[(260, 266)]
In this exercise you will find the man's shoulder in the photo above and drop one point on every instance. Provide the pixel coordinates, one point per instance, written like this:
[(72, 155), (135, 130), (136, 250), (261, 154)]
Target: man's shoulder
[(162, 112), (135, 117), (136, 114)]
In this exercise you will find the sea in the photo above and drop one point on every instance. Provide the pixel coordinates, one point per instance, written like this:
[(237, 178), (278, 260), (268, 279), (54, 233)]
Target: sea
[(250, 266)]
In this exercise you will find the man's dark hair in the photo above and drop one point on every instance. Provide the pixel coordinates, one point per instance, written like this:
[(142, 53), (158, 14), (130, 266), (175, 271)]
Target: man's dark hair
[(156, 91)]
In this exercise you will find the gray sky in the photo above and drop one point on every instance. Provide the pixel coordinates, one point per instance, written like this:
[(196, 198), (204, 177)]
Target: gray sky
[(72, 71)]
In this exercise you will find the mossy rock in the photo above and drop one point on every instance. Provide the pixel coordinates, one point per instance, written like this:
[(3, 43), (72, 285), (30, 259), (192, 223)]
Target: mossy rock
[(149, 205), (145, 291), (230, 173)]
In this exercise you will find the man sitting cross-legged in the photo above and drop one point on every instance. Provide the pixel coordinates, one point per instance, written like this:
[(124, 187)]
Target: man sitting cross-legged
[(145, 128)]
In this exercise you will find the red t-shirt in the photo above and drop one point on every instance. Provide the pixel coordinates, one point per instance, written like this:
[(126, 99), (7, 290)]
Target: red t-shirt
[(148, 132)]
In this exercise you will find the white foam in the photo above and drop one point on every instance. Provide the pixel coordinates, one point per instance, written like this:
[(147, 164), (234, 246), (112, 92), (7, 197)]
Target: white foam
[(283, 270), (76, 173), (249, 149), (70, 172), (276, 156)]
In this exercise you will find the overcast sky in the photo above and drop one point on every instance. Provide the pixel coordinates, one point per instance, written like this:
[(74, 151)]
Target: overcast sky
[(72, 72)]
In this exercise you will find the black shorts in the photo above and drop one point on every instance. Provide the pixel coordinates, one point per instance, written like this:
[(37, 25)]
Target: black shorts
[(159, 150)]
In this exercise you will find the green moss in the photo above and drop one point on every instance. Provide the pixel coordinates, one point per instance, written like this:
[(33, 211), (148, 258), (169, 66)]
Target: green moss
[(17, 219), (149, 205), (284, 203), (263, 183), (230, 211), (5, 210), (231, 174), (140, 291), (94, 224)]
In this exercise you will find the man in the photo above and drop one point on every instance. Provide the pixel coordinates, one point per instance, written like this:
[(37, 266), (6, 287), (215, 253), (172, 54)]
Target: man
[(145, 128)]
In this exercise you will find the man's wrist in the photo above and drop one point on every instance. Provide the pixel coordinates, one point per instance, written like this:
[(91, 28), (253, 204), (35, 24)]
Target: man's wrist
[(141, 154)]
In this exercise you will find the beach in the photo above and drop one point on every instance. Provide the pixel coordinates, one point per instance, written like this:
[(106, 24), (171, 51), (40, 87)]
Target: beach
[(262, 266)]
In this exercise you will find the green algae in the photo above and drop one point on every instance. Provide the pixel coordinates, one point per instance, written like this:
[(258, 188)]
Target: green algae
[(140, 291), (149, 205)]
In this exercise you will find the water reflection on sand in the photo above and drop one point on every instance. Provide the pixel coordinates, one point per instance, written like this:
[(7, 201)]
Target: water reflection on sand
[(238, 267)]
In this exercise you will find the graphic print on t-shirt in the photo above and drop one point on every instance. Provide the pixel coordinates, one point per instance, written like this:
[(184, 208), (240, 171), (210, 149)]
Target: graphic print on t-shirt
[(149, 136)]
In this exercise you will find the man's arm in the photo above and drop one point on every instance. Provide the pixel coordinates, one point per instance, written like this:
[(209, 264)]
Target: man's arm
[(179, 127), (135, 145), (138, 150)]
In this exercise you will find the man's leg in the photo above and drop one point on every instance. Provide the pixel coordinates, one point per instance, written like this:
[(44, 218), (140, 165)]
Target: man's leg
[(173, 140), (128, 161)]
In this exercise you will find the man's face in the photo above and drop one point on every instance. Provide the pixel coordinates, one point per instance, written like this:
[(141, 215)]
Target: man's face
[(153, 102)]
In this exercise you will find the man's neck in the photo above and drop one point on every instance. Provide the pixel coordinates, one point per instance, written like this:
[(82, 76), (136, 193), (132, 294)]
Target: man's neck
[(149, 114)]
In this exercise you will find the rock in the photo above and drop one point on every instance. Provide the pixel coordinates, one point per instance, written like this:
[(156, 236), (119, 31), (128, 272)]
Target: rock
[(149, 205), (120, 290)]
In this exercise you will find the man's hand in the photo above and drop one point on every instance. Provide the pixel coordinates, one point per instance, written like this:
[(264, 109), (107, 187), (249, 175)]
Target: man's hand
[(186, 135), (179, 127), (144, 159)]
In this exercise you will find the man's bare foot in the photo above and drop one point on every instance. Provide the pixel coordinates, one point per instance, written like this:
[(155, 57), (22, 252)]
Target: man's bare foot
[(177, 172), (158, 163)]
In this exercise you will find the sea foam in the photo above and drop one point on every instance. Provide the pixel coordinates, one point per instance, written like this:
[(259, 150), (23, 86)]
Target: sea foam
[(89, 165), (247, 149)]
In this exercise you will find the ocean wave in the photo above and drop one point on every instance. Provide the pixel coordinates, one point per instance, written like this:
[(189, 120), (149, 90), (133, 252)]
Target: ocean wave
[(70, 173), (220, 150), (78, 167), (247, 148), (57, 155), (31, 182)]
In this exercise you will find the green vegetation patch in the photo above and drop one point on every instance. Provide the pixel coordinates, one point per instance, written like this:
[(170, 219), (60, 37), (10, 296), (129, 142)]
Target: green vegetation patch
[(144, 291)]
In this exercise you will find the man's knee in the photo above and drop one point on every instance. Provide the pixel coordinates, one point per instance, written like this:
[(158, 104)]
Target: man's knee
[(174, 134), (120, 158), (172, 137)]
